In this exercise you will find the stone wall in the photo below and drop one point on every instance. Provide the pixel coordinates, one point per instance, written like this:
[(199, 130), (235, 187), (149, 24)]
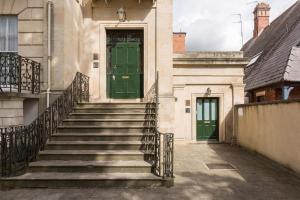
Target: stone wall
[(11, 112), (271, 129)]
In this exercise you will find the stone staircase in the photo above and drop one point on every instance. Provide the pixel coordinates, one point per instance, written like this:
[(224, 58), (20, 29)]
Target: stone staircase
[(98, 145)]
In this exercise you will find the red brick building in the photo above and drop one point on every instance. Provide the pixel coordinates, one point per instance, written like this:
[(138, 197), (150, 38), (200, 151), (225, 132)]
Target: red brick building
[(274, 70)]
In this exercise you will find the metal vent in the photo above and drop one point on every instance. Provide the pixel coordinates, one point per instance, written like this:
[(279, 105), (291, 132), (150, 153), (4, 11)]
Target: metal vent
[(219, 166)]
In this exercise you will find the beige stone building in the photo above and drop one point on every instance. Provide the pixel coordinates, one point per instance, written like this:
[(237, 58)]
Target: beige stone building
[(130, 98), (70, 36), (206, 86)]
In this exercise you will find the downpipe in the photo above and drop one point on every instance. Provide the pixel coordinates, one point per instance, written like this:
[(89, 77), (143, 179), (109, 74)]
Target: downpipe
[(49, 24)]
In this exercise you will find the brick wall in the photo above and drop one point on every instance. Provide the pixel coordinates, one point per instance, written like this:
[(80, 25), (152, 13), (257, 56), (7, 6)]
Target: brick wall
[(295, 93), (179, 42)]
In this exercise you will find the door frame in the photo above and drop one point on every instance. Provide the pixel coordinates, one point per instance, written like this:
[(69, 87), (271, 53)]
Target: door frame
[(103, 56), (221, 118), (203, 113)]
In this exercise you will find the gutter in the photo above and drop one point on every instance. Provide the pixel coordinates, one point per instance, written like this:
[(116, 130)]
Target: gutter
[(49, 24)]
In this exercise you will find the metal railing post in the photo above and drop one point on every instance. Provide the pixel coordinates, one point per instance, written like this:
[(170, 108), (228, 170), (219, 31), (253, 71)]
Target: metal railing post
[(19, 71), (33, 78)]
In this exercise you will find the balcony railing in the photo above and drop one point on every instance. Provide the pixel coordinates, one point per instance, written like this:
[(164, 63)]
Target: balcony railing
[(18, 74), (21, 145)]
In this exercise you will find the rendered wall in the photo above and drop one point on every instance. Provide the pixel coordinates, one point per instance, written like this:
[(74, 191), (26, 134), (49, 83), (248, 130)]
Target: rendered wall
[(194, 73), (271, 129), (66, 43)]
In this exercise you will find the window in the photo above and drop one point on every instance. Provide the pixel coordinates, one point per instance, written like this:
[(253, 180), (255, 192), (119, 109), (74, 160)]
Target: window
[(8, 33)]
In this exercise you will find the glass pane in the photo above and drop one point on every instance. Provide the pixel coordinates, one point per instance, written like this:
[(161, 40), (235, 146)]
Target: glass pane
[(12, 31), (3, 23), (8, 33), (199, 109), (213, 109), (206, 109)]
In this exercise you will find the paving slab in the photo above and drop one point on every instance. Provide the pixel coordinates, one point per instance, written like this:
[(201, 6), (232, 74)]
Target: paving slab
[(252, 178)]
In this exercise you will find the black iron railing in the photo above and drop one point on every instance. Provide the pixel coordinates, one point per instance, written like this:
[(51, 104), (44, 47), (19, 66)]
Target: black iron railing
[(21, 145), (18, 74), (163, 151)]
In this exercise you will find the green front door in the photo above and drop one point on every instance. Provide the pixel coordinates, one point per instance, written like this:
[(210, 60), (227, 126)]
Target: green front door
[(207, 119), (125, 64)]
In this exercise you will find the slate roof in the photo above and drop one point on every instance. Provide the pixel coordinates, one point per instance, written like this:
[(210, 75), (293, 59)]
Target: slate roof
[(275, 54)]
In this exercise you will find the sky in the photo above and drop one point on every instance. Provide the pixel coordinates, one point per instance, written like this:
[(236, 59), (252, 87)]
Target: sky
[(211, 25)]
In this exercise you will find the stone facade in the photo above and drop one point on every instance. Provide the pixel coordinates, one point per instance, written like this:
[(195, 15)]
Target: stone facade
[(31, 44), (79, 43), (194, 73), (11, 112)]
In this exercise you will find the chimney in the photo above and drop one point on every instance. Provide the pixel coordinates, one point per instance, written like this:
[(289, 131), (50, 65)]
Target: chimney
[(179, 42), (261, 18)]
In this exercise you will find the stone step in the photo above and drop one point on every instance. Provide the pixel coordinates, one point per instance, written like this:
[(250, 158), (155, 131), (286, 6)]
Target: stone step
[(81, 180), (104, 129), (109, 116), (109, 110), (100, 136), (98, 155), (90, 166), (107, 122), (114, 105), (97, 145)]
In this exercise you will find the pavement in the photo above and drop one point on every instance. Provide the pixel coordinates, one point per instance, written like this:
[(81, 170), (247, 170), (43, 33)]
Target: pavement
[(253, 178)]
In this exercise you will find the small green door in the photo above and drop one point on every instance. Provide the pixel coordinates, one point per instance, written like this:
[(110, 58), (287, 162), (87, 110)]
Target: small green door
[(125, 77), (207, 119)]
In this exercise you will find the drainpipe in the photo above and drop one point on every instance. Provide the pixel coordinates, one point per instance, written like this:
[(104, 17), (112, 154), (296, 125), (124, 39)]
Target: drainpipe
[(49, 8), (234, 138), (156, 39), (286, 90)]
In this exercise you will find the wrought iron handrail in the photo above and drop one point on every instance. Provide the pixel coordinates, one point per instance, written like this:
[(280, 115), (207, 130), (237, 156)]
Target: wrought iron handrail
[(163, 158), (21, 145), (18, 74)]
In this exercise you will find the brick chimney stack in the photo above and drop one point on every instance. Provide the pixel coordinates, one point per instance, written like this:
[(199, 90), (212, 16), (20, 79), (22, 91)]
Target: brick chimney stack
[(179, 42), (261, 18)]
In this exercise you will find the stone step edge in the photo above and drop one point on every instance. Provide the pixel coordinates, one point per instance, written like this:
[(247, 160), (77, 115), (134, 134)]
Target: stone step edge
[(110, 108), (83, 176), (113, 103), (58, 134), (76, 163), (93, 152), (108, 120), (104, 127), (112, 113), (98, 143)]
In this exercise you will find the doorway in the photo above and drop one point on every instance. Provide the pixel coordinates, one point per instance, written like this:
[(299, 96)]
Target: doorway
[(207, 119), (125, 77)]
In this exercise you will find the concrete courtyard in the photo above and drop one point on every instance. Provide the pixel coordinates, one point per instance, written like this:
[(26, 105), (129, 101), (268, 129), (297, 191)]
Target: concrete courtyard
[(254, 177)]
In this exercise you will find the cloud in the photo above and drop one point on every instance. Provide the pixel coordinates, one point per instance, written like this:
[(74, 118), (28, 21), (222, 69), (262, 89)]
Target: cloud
[(211, 24)]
